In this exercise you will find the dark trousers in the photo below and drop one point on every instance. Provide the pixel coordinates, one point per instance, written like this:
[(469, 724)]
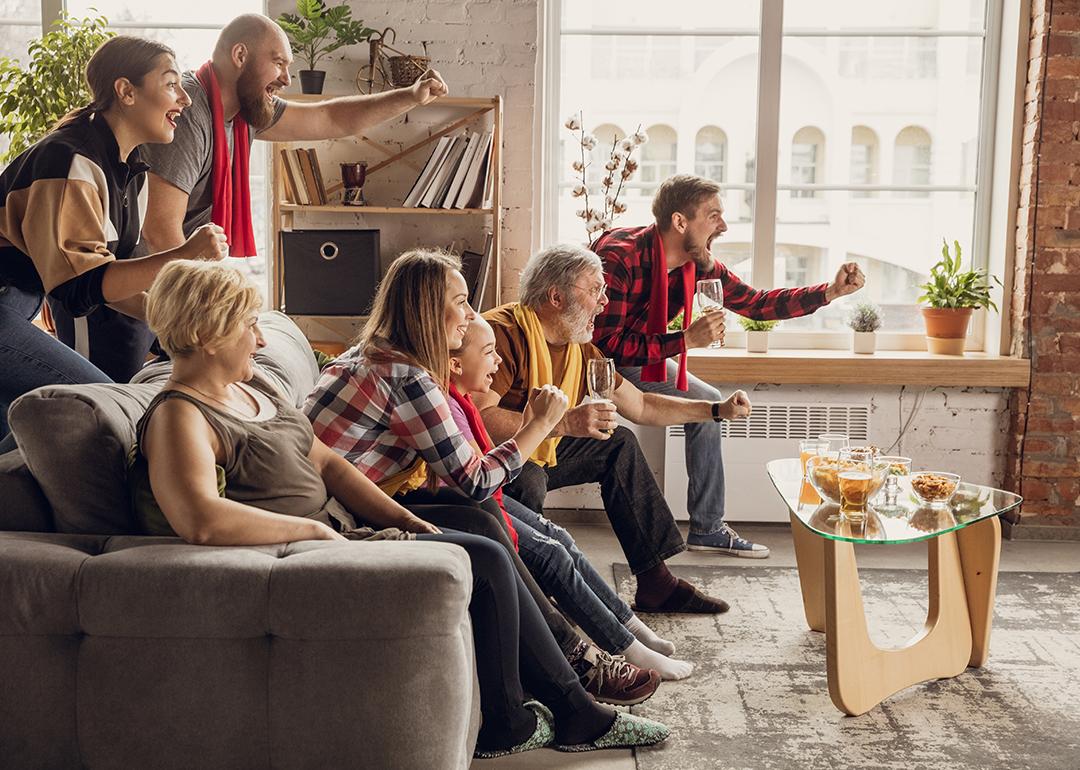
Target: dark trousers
[(513, 648), (119, 344), (448, 509), (635, 506)]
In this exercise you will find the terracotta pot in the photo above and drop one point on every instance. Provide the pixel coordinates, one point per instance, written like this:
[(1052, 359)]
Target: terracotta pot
[(946, 329), (948, 322), (863, 342)]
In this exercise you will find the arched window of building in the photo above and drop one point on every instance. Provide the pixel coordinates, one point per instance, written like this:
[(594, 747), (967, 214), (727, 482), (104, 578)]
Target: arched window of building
[(807, 160), (710, 154), (911, 161), (602, 152), (864, 159), (657, 157)]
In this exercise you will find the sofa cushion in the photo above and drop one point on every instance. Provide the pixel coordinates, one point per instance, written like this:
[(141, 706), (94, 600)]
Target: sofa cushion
[(75, 438), (23, 507)]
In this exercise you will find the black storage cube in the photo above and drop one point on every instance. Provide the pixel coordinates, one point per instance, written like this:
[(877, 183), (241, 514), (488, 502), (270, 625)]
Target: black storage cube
[(330, 272)]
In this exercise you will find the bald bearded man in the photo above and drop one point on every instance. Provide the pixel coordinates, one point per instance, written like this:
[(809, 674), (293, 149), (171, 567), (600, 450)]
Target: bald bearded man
[(200, 178)]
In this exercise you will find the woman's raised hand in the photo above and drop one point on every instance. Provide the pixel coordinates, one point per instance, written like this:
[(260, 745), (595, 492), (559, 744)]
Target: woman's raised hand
[(207, 242), (547, 405)]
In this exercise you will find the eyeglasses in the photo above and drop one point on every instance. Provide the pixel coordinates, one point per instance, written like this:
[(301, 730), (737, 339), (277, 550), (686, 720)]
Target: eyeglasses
[(596, 294)]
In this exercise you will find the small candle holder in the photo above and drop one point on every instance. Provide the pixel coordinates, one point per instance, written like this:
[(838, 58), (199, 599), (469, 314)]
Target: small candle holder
[(353, 176)]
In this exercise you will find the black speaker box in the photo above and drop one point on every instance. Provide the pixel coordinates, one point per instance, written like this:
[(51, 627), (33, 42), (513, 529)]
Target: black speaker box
[(330, 272)]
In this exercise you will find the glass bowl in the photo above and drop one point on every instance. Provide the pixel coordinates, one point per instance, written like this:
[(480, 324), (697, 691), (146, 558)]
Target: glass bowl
[(935, 488), (823, 472)]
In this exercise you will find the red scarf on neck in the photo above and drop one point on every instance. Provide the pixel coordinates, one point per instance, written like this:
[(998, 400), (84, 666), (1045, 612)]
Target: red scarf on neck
[(483, 440), (232, 193), (657, 322)]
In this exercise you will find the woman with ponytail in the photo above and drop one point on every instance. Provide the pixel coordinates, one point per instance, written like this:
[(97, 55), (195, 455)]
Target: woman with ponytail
[(71, 210)]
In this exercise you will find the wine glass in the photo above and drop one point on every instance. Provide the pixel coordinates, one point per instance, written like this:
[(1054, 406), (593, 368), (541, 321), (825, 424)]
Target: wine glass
[(710, 293), (601, 380)]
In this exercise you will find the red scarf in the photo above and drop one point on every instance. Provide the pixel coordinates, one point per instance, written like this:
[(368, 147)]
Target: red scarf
[(657, 322), (232, 193), (483, 440)]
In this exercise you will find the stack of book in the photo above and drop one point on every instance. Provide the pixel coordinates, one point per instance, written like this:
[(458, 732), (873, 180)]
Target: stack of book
[(303, 178), (456, 176)]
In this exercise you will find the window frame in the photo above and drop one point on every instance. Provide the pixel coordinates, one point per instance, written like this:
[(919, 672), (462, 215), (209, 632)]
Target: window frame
[(1004, 36)]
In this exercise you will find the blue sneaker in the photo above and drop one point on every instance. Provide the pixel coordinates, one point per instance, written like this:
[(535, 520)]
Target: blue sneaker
[(727, 541)]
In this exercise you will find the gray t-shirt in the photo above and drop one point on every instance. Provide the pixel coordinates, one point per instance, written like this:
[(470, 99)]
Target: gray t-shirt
[(187, 162)]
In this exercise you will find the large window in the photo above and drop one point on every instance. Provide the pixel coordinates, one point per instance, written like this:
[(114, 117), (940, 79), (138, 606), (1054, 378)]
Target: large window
[(193, 41), (865, 142)]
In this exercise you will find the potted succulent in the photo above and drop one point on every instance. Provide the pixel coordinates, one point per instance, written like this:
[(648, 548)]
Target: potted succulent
[(864, 320), (34, 97), (317, 30), (757, 334), (952, 294)]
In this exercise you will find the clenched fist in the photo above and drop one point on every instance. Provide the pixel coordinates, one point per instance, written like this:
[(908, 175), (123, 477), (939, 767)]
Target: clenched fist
[(429, 87), (208, 243), (735, 406), (547, 405)]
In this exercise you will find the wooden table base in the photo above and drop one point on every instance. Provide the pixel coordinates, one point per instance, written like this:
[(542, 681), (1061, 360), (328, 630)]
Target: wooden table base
[(963, 569)]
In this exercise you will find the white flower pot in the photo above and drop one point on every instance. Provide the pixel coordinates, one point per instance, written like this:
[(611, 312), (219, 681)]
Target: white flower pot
[(757, 342), (864, 342)]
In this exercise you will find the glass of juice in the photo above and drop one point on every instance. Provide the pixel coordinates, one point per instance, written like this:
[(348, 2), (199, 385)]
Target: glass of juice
[(810, 448)]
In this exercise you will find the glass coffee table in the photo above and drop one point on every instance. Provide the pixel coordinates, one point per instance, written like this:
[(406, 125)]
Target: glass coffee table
[(964, 543)]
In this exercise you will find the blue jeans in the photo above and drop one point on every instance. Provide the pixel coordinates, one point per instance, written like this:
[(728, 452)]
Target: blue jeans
[(704, 459), (30, 358), (563, 572)]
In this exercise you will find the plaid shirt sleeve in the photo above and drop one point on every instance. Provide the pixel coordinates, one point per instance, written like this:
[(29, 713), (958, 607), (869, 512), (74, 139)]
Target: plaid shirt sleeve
[(422, 419), (770, 305), (628, 297)]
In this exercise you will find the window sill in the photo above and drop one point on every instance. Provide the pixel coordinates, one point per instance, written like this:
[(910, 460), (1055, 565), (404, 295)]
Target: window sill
[(836, 367)]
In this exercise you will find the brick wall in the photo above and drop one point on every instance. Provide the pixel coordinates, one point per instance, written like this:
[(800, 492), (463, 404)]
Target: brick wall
[(1045, 421)]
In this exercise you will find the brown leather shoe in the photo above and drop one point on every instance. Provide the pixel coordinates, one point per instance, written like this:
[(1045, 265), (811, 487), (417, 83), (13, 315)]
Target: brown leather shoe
[(612, 680)]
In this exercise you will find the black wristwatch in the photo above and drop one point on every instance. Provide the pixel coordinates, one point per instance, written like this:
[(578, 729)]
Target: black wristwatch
[(716, 411)]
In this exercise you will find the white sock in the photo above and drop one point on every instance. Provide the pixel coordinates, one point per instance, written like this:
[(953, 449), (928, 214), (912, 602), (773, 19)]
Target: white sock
[(648, 637), (668, 668)]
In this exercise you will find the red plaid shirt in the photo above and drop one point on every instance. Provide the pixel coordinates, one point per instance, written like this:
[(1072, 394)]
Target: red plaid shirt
[(628, 254), (380, 415)]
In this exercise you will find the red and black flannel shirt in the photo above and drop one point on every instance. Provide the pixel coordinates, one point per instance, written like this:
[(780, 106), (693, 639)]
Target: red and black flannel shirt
[(629, 254)]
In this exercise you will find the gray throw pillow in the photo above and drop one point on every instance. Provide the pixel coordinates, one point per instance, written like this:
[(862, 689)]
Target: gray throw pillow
[(76, 438)]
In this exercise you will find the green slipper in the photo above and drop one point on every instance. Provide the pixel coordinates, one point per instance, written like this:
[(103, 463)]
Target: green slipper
[(542, 737), (628, 731)]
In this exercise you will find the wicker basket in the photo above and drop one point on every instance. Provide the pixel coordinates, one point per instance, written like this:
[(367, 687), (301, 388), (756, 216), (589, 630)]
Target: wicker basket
[(406, 70)]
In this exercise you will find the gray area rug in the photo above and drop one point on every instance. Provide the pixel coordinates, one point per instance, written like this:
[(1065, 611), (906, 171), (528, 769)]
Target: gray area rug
[(758, 696)]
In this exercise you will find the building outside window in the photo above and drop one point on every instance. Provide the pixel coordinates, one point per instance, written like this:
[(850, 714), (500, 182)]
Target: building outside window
[(866, 94)]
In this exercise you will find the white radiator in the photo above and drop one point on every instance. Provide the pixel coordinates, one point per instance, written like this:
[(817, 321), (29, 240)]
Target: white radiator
[(772, 432)]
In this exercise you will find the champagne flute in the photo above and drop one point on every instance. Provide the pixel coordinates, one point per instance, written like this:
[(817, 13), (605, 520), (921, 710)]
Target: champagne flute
[(710, 292), (601, 381)]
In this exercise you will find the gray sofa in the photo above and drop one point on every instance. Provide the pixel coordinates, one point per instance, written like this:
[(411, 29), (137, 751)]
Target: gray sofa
[(118, 650)]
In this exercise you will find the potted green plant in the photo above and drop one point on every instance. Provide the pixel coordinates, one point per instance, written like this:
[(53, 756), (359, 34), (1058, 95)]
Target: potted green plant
[(317, 30), (952, 294), (757, 334), (33, 98), (864, 320)]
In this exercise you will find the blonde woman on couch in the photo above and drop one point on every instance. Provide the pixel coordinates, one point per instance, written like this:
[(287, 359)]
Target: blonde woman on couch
[(281, 484)]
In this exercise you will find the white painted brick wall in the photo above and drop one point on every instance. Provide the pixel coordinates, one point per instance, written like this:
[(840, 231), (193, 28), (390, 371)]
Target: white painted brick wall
[(481, 48)]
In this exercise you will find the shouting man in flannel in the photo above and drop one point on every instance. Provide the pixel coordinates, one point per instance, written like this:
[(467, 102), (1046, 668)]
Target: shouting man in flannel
[(651, 274)]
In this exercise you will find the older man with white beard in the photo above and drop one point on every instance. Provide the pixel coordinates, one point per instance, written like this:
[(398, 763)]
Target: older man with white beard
[(545, 339), (651, 274)]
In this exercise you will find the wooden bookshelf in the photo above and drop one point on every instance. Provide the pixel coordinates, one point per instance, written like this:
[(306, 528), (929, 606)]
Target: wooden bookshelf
[(465, 111)]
